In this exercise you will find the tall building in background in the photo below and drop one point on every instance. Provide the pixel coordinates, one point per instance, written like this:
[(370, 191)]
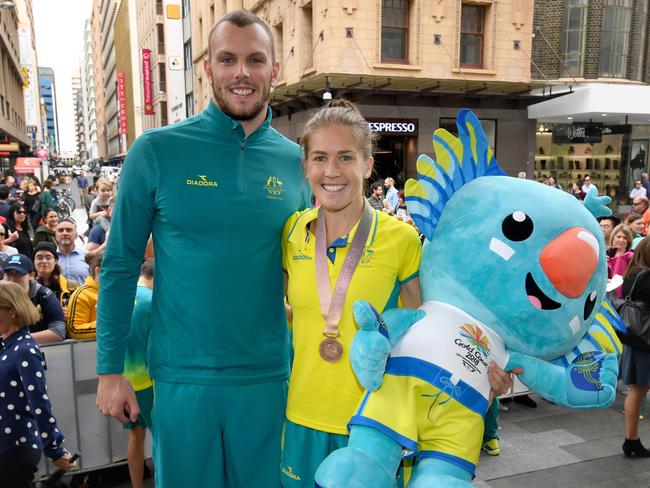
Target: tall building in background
[(108, 12), (187, 58), (78, 111), (13, 129), (127, 65), (98, 75), (163, 75), (48, 95), (28, 64), (409, 65), (601, 129), (88, 93)]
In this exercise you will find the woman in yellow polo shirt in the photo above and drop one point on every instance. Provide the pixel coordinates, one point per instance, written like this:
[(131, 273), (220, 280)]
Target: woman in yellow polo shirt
[(319, 248)]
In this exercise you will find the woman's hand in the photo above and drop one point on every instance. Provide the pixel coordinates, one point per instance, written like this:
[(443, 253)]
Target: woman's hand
[(500, 381), (64, 462)]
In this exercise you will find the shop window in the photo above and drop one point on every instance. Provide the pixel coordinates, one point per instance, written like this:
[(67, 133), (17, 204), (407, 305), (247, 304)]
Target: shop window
[(394, 31), (617, 18), (472, 32), (489, 127), (573, 38)]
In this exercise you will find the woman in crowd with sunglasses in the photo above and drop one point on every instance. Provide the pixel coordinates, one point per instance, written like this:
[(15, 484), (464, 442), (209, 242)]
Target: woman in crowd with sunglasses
[(18, 226)]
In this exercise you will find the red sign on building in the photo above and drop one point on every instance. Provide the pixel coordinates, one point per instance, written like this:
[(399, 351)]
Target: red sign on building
[(121, 100), (146, 80)]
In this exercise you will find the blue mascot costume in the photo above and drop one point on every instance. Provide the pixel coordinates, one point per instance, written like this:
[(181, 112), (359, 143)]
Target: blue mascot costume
[(514, 273)]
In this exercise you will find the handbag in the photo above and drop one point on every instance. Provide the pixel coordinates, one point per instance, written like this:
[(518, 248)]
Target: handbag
[(636, 316)]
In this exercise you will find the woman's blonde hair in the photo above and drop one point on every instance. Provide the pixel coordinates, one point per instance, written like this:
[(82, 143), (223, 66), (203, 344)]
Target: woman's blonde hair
[(341, 112), (105, 182), (14, 297)]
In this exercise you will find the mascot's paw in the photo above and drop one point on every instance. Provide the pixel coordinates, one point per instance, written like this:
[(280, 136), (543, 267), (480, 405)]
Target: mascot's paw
[(597, 205), (370, 347), (352, 468), (591, 380)]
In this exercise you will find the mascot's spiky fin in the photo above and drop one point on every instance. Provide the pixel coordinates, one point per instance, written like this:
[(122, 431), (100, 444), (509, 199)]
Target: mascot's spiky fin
[(601, 335), (459, 161)]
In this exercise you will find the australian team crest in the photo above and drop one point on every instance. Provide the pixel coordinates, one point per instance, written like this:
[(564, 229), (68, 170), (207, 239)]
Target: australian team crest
[(274, 187)]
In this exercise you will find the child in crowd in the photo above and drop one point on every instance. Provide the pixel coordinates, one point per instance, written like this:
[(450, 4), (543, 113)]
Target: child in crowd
[(100, 203), (27, 427)]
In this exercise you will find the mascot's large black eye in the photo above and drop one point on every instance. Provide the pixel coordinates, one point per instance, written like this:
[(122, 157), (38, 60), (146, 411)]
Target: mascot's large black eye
[(517, 226)]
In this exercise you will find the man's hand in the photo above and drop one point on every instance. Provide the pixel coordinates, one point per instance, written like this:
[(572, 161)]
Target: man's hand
[(116, 398)]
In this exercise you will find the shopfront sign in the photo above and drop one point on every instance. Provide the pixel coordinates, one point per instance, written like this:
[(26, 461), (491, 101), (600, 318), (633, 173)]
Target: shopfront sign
[(146, 80), (121, 99), (578, 133), (394, 127)]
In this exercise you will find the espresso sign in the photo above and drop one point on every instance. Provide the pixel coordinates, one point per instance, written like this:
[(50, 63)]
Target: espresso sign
[(394, 127)]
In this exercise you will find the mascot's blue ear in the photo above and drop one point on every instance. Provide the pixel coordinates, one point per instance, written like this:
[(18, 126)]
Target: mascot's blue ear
[(597, 205), (458, 161)]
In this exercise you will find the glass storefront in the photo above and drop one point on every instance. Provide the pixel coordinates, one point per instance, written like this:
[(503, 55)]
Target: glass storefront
[(612, 156)]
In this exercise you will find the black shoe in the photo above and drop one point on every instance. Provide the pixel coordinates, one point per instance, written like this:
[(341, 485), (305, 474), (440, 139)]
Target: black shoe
[(526, 401), (634, 448)]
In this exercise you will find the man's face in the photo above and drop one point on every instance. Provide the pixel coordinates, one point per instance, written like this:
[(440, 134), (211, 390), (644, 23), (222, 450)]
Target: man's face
[(607, 226), (639, 206), (241, 69), (587, 181), (11, 181), (66, 233), (378, 191), (638, 184), (18, 278)]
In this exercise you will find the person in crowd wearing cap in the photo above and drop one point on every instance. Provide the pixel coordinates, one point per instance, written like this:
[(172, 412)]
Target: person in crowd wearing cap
[(27, 427), (46, 232), (48, 273), (5, 250), (99, 232), (135, 370), (4, 201), (19, 228), (71, 257), (51, 324), (82, 308)]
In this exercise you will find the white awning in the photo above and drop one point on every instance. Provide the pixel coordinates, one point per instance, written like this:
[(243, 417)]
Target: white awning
[(598, 102)]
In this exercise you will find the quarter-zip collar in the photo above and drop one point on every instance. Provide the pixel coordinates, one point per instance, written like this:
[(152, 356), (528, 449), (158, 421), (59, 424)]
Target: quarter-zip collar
[(223, 123)]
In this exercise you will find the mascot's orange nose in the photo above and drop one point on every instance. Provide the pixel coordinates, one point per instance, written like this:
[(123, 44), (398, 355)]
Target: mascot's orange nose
[(570, 260)]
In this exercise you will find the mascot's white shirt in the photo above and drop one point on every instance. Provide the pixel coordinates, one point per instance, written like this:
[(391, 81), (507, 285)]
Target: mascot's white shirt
[(454, 340)]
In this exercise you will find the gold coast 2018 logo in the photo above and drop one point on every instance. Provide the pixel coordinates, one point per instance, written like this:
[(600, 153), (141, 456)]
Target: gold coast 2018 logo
[(475, 347), (274, 187), (202, 181)]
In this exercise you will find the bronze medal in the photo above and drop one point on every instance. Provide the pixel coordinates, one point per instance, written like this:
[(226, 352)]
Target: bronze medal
[(330, 350)]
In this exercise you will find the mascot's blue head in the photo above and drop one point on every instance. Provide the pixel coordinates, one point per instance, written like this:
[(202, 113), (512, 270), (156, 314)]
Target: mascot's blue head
[(526, 259)]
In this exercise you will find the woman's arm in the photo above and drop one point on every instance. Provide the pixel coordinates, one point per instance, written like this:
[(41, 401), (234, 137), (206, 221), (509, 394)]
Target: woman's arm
[(410, 294)]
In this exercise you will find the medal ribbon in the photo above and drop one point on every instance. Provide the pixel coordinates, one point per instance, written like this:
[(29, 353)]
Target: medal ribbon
[(331, 305)]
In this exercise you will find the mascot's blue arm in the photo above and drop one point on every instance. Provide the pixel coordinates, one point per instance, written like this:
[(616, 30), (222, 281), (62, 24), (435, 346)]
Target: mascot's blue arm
[(588, 382), (377, 335)]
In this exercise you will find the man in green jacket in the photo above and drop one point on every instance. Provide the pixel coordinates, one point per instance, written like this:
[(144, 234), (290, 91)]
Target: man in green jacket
[(214, 191)]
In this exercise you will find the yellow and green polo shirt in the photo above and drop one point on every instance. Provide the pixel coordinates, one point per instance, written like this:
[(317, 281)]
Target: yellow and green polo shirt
[(322, 395)]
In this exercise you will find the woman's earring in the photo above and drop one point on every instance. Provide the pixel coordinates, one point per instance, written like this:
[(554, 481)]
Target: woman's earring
[(13, 315)]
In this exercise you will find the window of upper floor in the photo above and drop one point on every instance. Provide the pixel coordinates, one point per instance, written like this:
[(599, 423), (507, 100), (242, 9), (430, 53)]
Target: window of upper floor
[(615, 39), (472, 35), (395, 31), (573, 37)]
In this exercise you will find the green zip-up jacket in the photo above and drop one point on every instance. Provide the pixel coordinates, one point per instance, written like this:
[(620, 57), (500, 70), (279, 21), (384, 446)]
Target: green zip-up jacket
[(216, 202)]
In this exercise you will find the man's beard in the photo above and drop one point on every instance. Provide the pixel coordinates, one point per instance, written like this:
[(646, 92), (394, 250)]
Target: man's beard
[(240, 115)]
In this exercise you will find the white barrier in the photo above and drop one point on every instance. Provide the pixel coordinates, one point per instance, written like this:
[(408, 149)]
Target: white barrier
[(72, 388)]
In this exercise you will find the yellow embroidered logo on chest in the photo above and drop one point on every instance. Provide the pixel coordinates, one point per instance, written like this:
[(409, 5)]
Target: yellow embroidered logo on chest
[(201, 181), (274, 187), (366, 257)]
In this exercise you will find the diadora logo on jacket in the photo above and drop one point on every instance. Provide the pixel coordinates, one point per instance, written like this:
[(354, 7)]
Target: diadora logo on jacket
[(201, 181), (274, 187)]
